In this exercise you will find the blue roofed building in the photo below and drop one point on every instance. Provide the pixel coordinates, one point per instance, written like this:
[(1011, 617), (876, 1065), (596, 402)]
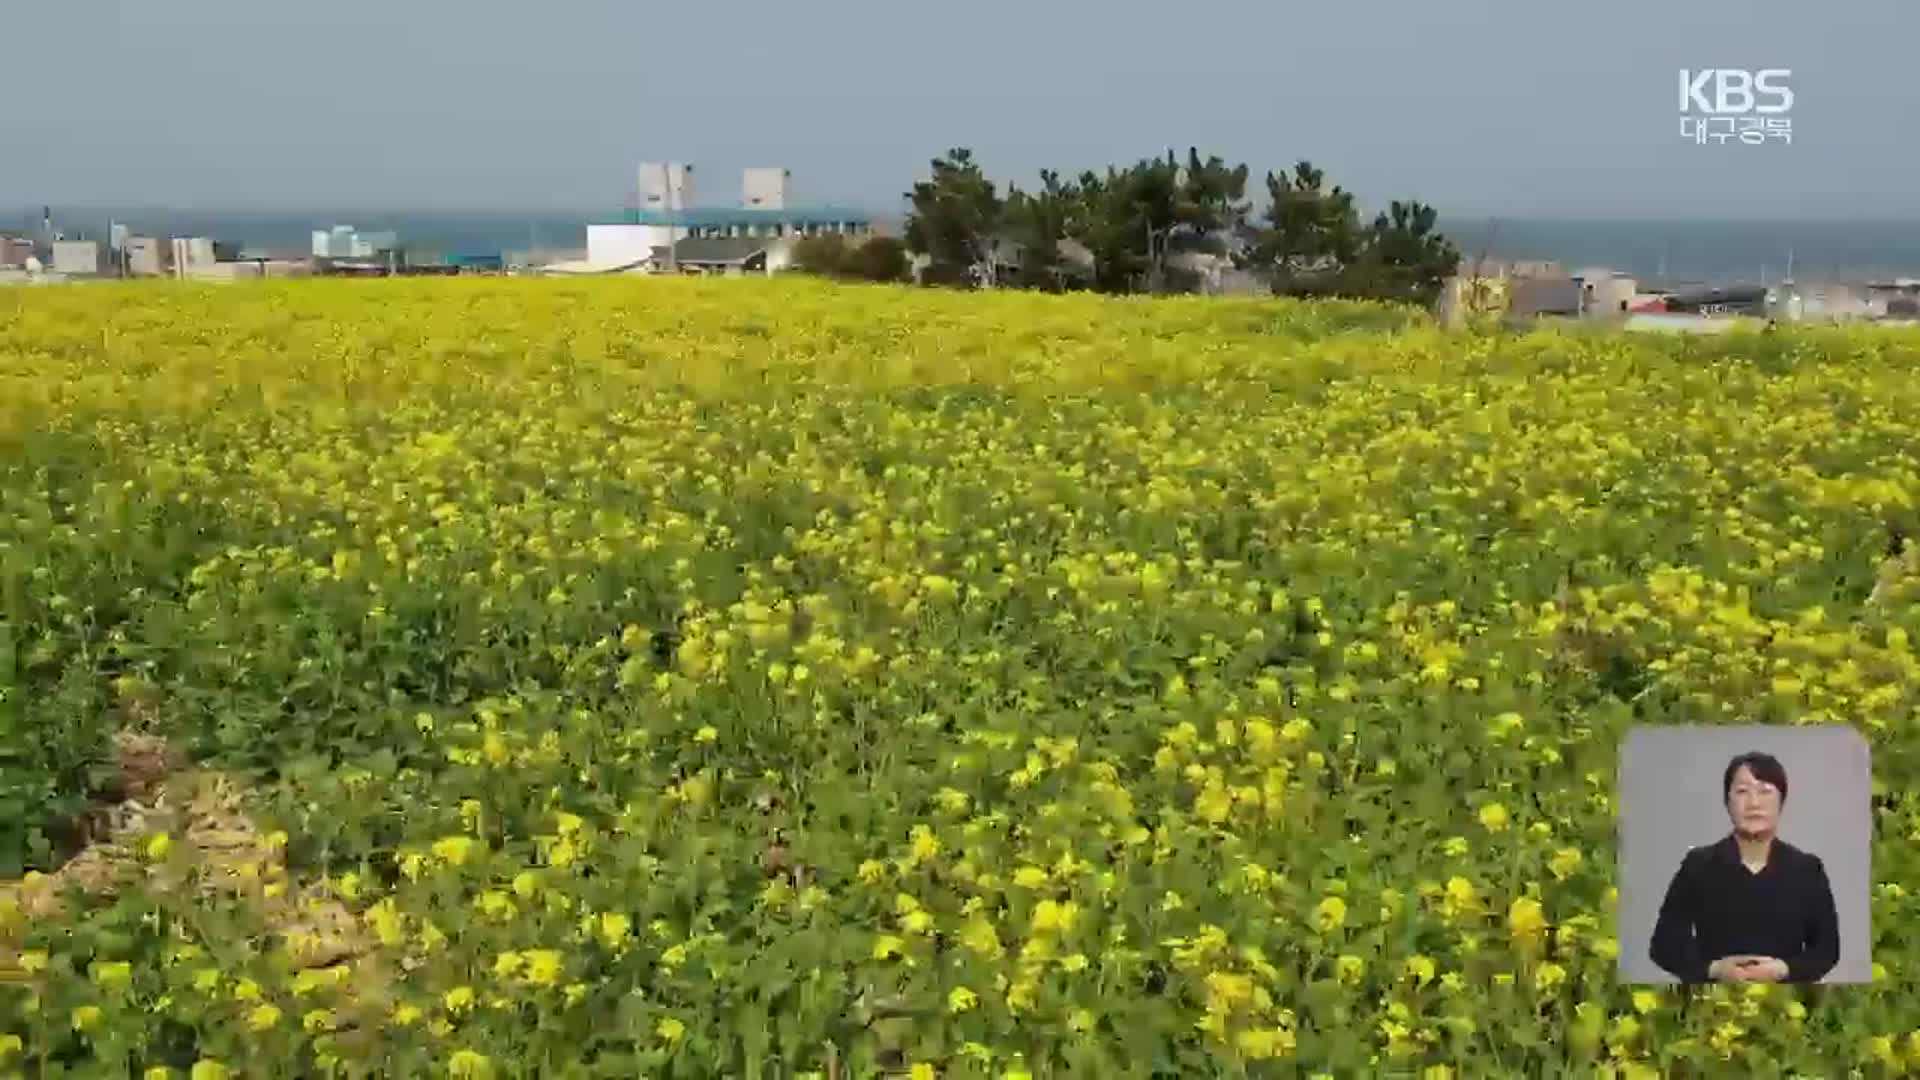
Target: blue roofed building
[(643, 239)]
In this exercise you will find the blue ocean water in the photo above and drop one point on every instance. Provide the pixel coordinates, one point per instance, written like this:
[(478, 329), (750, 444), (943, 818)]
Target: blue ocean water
[(1714, 252), (1711, 251)]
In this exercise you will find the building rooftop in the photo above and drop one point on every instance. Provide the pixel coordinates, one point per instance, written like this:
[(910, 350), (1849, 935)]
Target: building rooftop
[(724, 250), (703, 217)]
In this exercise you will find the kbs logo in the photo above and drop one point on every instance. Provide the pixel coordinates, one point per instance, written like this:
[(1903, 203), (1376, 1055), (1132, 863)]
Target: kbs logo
[(1721, 104), (1733, 90)]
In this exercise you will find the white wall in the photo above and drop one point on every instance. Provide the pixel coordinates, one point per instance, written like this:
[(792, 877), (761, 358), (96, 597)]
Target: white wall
[(76, 257), (619, 245)]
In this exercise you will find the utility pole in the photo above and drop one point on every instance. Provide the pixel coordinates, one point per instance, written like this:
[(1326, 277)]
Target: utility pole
[(673, 239)]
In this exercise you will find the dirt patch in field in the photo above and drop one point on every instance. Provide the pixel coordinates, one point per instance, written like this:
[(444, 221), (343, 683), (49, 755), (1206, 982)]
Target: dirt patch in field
[(186, 833)]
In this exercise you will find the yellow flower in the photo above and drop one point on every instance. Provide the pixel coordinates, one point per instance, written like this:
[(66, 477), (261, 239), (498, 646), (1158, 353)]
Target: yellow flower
[(1565, 862), (263, 1017), (1030, 877), (459, 999), (208, 1069), (11, 1045), (1349, 968), (114, 975), (1263, 1043), (923, 845), (158, 1072), (921, 1071), (1549, 977), (1525, 918), (1051, 917), (455, 850), (670, 1029), (406, 1015), (158, 846), (1331, 914), (86, 1017), (387, 922), (33, 961), (469, 1065), (1421, 969), (887, 946), (1645, 1001), (960, 999), (1494, 817), (615, 928), (544, 966)]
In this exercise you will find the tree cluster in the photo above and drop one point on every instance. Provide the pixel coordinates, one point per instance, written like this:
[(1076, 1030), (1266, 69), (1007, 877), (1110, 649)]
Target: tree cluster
[(878, 258), (1163, 225)]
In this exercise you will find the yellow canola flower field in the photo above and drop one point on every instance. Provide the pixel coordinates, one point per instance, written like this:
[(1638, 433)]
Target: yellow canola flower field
[(741, 678)]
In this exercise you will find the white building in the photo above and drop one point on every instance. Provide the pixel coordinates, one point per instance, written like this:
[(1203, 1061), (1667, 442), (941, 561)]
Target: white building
[(76, 257), (190, 253), (145, 256), (1606, 293), (346, 242), (637, 240)]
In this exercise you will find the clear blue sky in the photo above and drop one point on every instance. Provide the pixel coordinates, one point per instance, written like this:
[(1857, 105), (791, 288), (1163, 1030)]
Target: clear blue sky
[(1513, 107)]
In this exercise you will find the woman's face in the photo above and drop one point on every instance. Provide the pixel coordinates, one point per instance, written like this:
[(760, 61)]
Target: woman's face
[(1753, 804)]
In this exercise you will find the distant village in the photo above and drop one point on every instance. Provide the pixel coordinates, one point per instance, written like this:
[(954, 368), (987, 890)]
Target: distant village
[(1535, 291), (668, 231)]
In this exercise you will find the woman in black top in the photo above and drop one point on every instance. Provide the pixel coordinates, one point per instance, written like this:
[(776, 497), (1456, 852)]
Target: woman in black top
[(1751, 907)]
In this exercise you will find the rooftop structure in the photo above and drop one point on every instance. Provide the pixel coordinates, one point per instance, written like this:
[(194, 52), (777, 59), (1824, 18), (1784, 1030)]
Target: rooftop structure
[(666, 185), (792, 219)]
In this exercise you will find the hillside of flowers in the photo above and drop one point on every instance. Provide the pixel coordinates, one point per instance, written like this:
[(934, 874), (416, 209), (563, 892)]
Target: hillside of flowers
[(775, 679)]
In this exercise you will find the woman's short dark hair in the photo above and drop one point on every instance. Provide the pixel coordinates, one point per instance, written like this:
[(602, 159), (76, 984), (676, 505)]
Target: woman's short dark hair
[(1765, 768)]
